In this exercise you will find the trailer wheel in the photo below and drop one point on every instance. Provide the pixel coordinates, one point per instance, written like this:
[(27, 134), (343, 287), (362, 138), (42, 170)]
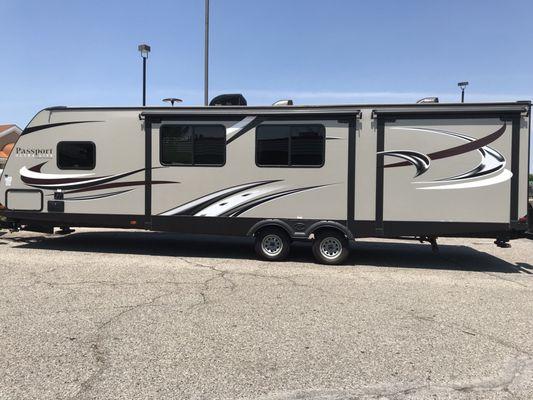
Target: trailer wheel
[(330, 247), (272, 244)]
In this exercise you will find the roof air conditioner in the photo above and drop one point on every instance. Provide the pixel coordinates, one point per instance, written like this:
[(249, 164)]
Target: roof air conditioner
[(229, 100)]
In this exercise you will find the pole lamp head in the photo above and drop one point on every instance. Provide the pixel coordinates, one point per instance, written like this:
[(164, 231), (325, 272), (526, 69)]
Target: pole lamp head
[(172, 100), (144, 49), (462, 85)]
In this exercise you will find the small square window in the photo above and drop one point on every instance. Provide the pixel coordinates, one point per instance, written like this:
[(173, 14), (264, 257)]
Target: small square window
[(202, 145), (76, 155), (290, 145)]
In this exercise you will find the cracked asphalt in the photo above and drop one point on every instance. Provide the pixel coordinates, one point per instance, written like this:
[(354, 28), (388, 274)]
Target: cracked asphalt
[(104, 314)]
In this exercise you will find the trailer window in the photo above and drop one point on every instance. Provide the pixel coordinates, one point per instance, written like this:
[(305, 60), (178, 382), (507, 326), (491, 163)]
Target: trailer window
[(76, 155), (272, 147), (193, 145), (176, 145), (290, 145)]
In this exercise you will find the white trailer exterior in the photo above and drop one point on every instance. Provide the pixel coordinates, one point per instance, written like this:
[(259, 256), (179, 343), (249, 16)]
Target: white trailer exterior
[(424, 170)]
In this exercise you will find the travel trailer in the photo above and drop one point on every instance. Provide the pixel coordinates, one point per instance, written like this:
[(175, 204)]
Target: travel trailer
[(283, 173)]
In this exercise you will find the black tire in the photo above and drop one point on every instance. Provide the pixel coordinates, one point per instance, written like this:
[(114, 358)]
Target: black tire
[(272, 244), (330, 247)]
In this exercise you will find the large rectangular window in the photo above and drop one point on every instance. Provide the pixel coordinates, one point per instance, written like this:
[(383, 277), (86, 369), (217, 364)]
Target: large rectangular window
[(76, 155), (290, 145), (193, 145)]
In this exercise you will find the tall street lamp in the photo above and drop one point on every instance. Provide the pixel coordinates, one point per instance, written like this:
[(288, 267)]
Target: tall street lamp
[(144, 49), (462, 85), (206, 55)]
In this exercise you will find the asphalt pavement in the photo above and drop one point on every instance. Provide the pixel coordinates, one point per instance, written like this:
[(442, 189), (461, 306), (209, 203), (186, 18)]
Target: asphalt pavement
[(103, 314)]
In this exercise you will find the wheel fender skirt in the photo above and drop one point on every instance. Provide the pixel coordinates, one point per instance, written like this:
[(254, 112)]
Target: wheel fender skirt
[(329, 224), (271, 222)]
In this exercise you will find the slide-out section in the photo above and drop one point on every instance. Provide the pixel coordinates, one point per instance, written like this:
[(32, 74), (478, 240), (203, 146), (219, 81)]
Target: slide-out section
[(458, 169)]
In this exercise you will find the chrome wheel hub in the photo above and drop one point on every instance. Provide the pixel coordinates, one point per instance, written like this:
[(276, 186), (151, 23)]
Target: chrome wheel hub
[(330, 248), (272, 245)]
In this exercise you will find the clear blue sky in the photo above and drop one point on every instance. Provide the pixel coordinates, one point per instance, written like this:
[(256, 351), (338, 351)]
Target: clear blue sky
[(79, 52)]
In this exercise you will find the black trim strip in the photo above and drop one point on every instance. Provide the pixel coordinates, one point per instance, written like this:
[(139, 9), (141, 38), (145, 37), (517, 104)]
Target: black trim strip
[(447, 113), (528, 155), (380, 147), (515, 169), (395, 229), (350, 211), (48, 126), (241, 226), (450, 229), (222, 114), (148, 173)]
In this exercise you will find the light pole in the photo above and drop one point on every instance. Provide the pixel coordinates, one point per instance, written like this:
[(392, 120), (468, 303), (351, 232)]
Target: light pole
[(206, 55), (462, 85), (172, 100), (144, 49)]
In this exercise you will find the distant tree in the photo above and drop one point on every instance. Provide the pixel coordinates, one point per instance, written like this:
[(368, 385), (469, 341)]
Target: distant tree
[(531, 177)]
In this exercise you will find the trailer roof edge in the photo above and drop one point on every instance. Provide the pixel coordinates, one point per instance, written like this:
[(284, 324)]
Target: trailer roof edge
[(294, 108), (519, 107)]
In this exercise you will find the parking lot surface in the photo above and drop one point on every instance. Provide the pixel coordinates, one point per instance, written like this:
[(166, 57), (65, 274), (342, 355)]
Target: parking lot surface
[(104, 314)]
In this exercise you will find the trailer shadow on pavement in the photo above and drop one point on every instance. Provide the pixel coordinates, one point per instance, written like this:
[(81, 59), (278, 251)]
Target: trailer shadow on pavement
[(383, 253)]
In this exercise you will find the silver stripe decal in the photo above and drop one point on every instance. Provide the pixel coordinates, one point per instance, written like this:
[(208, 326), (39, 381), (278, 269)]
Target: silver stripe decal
[(236, 211), (205, 199), (236, 200), (419, 160), (235, 129), (501, 177), (26, 173), (491, 169), (491, 160)]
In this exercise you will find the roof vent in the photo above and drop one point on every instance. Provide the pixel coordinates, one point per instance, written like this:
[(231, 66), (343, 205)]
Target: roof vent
[(427, 100), (283, 103), (229, 100)]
